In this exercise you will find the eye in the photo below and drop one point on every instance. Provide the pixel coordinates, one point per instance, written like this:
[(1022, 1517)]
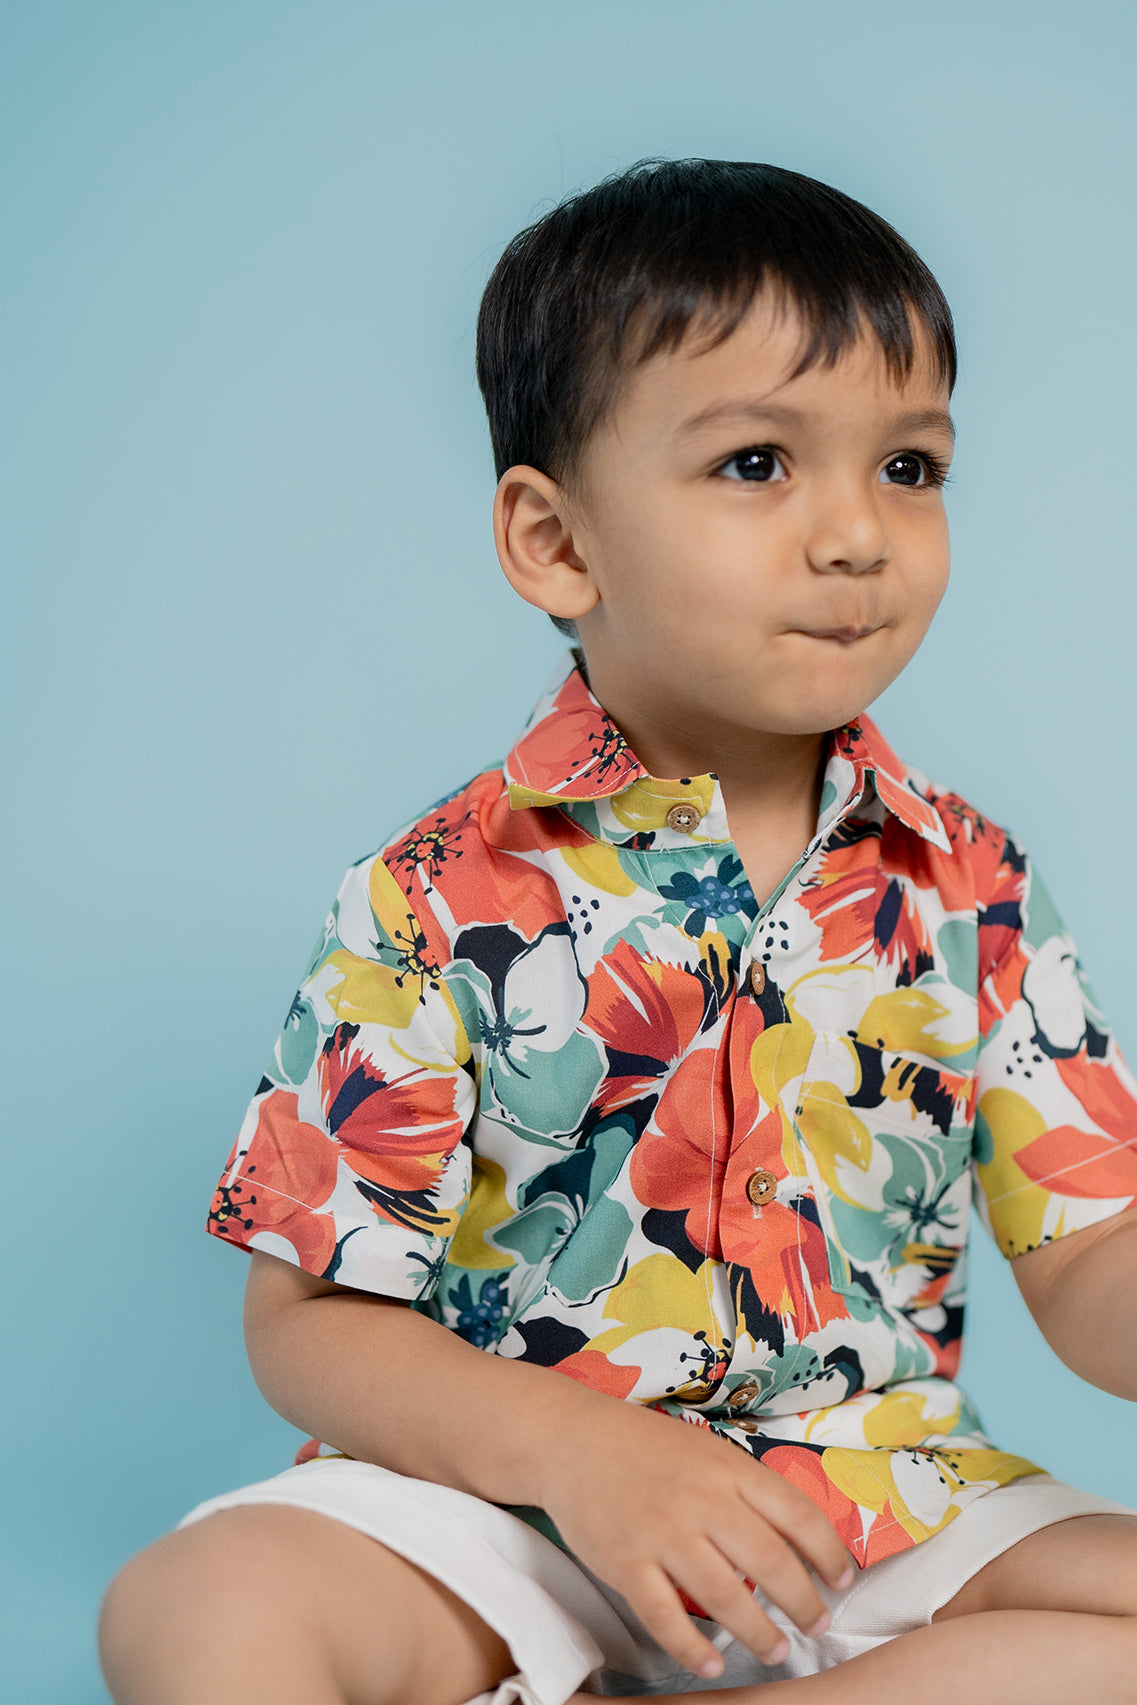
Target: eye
[(755, 464), (911, 469)]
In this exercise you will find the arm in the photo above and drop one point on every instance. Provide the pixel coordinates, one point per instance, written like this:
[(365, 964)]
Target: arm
[(1082, 1291), (367, 1374), (388, 1385)]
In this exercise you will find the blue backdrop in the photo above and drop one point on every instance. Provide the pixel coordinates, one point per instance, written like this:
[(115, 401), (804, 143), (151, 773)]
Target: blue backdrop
[(253, 615)]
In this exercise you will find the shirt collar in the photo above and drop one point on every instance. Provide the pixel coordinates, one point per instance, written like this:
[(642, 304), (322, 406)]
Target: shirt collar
[(570, 751)]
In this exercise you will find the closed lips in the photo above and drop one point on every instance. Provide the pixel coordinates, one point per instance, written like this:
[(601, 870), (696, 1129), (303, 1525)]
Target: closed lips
[(845, 635)]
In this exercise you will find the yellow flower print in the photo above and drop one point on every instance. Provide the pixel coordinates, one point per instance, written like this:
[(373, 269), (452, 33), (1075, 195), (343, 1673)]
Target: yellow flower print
[(920, 1487), (644, 805), (778, 1057), (488, 1206), (905, 1418), (661, 1292), (900, 1419), (362, 991), (1017, 1206), (914, 1021), (598, 865), (833, 1133)]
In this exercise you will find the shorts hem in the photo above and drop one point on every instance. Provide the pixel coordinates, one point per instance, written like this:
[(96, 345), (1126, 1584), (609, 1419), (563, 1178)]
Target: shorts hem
[(426, 1524)]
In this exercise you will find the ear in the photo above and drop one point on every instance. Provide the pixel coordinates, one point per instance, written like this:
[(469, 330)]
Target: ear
[(533, 533)]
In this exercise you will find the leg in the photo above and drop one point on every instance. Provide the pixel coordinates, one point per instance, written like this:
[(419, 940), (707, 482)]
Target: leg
[(270, 1605), (1053, 1619), (1086, 1563)]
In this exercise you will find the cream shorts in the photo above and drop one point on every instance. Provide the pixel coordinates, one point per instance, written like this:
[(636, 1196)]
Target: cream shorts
[(568, 1631)]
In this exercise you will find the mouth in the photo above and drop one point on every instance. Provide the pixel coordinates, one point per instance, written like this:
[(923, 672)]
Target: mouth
[(842, 636)]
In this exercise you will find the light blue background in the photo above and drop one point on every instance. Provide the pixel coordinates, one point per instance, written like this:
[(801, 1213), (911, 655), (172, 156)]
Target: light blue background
[(253, 615)]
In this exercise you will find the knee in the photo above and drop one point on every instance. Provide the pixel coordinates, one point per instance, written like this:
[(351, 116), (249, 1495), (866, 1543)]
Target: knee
[(192, 1592), (132, 1619), (160, 1595)]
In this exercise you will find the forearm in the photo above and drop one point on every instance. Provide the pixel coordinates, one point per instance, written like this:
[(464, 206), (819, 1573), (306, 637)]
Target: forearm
[(388, 1385), (650, 1506), (1088, 1312)]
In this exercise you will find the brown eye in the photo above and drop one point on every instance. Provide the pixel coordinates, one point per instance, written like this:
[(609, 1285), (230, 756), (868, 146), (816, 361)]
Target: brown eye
[(754, 464), (905, 470)]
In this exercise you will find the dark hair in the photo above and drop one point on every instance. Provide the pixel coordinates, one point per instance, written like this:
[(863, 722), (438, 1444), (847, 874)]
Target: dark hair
[(616, 273)]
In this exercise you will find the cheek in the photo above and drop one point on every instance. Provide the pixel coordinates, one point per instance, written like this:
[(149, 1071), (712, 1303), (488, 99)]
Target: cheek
[(636, 545), (655, 570), (925, 566), (934, 586)]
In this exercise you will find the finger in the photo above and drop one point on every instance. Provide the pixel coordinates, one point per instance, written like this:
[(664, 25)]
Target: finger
[(765, 1558), (798, 1519), (653, 1597), (713, 1582)]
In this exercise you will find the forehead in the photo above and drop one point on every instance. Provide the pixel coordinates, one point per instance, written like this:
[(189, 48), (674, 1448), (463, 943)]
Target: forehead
[(705, 386)]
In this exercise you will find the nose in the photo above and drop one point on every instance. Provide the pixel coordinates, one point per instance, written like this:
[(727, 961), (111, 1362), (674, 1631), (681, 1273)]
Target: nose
[(847, 534)]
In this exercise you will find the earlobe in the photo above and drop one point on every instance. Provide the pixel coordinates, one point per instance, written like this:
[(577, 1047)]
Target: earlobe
[(536, 547)]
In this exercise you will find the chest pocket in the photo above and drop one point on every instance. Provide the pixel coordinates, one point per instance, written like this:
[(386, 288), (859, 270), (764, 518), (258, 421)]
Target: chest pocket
[(887, 1141)]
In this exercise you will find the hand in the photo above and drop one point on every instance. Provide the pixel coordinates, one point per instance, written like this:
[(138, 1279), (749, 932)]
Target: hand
[(652, 1504)]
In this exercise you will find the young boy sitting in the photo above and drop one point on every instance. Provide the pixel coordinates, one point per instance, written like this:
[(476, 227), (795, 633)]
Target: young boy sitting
[(647, 1079)]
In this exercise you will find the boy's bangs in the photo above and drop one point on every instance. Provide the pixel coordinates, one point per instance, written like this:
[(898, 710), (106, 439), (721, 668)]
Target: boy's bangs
[(831, 323)]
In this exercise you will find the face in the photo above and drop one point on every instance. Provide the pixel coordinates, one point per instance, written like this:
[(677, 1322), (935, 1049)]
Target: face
[(766, 552)]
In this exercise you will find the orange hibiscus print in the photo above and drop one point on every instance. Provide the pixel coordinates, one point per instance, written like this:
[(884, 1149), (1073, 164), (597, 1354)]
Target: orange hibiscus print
[(674, 1164), (861, 911), (411, 1114), (288, 1175), (647, 1013)]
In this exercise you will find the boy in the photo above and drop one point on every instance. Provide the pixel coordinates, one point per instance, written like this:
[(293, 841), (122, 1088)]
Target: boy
[(665, 1058)]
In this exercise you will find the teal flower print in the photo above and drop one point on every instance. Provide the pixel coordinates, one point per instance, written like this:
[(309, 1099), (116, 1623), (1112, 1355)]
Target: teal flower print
[(479, 1319), (724, 893)]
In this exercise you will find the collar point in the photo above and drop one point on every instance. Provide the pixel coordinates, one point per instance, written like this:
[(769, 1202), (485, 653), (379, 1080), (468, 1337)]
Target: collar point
[(522, 798)]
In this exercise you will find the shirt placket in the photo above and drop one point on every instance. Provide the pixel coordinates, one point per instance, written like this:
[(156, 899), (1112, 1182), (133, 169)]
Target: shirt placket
[(757, 1185)]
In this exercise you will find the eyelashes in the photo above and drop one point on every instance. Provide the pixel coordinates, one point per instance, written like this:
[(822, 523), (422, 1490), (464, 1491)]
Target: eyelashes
[(762, 464), (935, 468)]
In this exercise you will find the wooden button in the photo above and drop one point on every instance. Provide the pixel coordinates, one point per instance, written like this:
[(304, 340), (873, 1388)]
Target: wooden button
[(757, 978), (761, 1187), (684, 817), (743, 1394)]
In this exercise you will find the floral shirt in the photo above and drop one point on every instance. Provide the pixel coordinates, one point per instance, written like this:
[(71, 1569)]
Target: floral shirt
[(555, 1075)]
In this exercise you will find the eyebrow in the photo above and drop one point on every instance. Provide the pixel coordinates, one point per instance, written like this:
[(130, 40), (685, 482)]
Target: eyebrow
[(745, 408)]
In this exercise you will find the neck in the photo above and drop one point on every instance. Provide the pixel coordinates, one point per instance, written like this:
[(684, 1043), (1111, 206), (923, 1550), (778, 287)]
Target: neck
[(771, 783), (756, 769)]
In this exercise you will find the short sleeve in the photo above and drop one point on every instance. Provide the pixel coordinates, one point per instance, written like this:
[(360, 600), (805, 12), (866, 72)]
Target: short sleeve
[(1056, 1105), (350, 1162)]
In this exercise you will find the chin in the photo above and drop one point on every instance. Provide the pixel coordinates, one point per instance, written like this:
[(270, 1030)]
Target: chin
[(812, 715), (824, 700)]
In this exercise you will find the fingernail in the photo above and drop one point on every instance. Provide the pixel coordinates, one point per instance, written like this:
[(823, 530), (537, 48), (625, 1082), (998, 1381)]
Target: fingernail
[(780, 1651), (712, 1669), (820, 1625), (845, 1579)]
